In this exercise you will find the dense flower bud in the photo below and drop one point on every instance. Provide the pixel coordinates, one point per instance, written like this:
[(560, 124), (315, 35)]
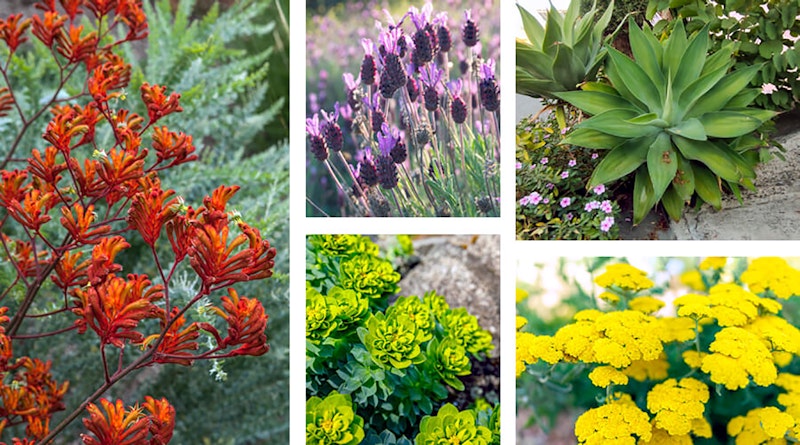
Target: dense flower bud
[(458, 110), (368, 70), (387, 172), (469, 32), (413, 89), (490, 94), (445, 39), (399, 153), (334, 138), (431, 99), (423, 51), (369, 174), (393, 75)]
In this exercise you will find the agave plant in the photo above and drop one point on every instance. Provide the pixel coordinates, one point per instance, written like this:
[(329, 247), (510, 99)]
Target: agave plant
[(675, 116), (567, 51)]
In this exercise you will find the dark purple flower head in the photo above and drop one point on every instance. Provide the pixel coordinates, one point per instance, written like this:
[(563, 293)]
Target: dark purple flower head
[(387, 138), (445, 40), (487, 70), (469, 31), (317, 144), (368, 67), (331, 130), (389, 39)]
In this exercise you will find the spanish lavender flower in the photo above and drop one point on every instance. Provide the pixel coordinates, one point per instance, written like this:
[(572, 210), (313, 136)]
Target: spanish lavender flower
[(387, 172), (331, 130), (368, 67), (413, 89), (346, 112), (469, 32), (431, 76), (490, 92), (393, 75), (423, 38), (351, 87), (368, 174), (458, 109), (443, 33), (378, 118), (318, 146), (387, 138)]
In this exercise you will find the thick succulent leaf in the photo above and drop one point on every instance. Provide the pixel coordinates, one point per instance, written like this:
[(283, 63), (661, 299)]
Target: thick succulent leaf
[(719, 95), (567, 69), (690, 129), (584, 137), (536, 62), (533, 29), (573, 10), (615, 77), (599, 87), (529, 86), (593, 102), (719, 159), (674, 50), (603, 22), (706, 184), (689, 69), (684, 178), (636, 81), (552, 31), (645, 53), (699, 87), (644, 196), (614, 122), (758, 113), (649, 119), (672, 203), (662, 164), (621, 161), (728, 124), (744, 98), (721, 58)]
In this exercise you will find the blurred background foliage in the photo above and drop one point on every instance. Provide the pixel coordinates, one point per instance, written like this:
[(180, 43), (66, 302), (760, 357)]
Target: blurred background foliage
[(229, 61)]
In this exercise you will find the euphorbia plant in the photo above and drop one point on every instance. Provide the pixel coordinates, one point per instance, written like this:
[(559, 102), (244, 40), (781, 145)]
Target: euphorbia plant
[(675, 116), (70, 210)]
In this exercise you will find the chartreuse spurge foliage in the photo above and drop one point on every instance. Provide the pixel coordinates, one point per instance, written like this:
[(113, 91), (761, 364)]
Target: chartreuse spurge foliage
[(332, 420), (675, 117), (565, 52)]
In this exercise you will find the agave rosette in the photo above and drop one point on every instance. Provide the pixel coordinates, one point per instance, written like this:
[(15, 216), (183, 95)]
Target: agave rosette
[(567, 51), (675, 116)]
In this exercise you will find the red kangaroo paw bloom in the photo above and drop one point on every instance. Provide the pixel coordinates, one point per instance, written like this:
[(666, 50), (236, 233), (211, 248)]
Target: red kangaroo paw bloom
[(120, 427), (175, 146), (6, 101), (114, 309), (113, 74), (66, 124), (88, 182), (79, 225), (102, 264), (159, 105), (12, 186), (162, 420), (68, 272), (23, 256), (150, 210), (49, 28), (180, 233), (12, 30), (74, 47), (246, 324), (131, 13), (32, 211), (176, 343), (45, 167)]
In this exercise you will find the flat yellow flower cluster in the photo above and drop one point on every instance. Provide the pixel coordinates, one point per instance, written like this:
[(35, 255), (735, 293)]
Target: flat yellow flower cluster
[(617, 422), (729, 304), (678, 407), (772, 274), (624, 276)]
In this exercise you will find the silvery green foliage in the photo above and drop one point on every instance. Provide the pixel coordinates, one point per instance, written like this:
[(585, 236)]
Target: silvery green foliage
[(222, 87)]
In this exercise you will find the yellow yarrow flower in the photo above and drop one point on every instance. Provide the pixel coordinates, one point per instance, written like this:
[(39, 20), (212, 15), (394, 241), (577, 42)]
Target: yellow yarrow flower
[(676, 329), (575, 341), (609, 297), (532, 348), (618, 422), (641, 370), (676, 404), (524, 355), (603, 376), (521, 294), (713, 262), (521, 322), (645, 304), (736, 356), (773, 274), (625, 277), (732, 305), (761, 426), (661, 437), (694, 279), (790, 399), (693, 306), (693, 358), (776, 333), (626, 336)]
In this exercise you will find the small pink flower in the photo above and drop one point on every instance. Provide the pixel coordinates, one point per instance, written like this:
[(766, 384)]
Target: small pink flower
[(564, 130), (595, 155), (607, 223), (768, 88), (606, 206), (519, 165), (546, 201), (565, 202), (550, 186), (599, 190), (568, 216), (572, 163), (536, 198), (544, 161), (591, 206), (564, 175)]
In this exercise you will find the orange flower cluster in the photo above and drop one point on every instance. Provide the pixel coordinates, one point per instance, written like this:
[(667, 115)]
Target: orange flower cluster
[(72, 208)]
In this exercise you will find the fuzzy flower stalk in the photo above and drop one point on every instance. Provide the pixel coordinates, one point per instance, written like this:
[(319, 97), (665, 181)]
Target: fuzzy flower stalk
[(421, 136)]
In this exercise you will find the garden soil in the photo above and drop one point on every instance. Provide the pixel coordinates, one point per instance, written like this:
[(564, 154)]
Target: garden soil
[(772, 212)]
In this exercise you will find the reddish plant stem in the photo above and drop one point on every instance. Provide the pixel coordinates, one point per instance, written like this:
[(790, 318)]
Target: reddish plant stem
[(44, 334)]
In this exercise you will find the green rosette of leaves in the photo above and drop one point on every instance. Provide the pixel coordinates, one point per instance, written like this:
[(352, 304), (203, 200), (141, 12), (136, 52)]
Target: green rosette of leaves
[(675, 117), (368, 276), (418, 311), (449, 360), (333, 421), (464, 328), (392, 340), (451, 426), (436, 303), (567, 51), (342, 245), (321, 317), (351, 307)]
